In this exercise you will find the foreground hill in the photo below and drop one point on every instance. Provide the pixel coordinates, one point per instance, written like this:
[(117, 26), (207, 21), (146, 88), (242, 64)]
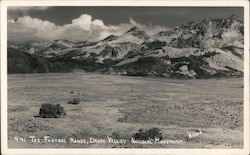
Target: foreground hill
[(211, 48)]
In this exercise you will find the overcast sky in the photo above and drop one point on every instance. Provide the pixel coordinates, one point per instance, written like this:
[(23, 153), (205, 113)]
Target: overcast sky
[(93, 23)]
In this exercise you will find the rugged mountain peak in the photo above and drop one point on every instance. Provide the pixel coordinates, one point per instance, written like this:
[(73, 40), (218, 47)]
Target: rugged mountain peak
[(136, 31), (205, 23), (233, 17), (166, 33), (209, 22), (186, 26), (110, 38), (218, 21), (61, 44)]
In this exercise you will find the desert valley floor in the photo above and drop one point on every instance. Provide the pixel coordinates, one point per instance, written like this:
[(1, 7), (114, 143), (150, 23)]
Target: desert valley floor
[(121, 105)]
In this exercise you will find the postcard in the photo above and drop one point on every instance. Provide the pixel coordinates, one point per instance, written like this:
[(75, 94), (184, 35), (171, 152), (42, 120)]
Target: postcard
[(124, 77)]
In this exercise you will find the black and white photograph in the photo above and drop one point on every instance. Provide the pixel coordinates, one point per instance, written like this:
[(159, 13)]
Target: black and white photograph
[(125, 77)]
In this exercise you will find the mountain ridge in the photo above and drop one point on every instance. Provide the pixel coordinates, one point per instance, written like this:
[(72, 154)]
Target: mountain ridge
[(210, 48)]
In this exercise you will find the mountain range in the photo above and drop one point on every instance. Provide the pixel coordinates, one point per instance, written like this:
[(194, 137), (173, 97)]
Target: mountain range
[(208, 49)]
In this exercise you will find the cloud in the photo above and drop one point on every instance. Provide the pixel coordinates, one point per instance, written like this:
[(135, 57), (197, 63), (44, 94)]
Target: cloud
[(29, 29), (26, 29), (85, 22)]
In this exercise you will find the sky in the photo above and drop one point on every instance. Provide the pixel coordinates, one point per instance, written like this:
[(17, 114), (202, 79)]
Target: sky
[(78, 23)]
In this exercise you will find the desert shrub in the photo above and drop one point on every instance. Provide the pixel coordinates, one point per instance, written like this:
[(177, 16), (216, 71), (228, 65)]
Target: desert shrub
[(148, 134), (116, 135), (74, 101), (48, 110), (123, 119)]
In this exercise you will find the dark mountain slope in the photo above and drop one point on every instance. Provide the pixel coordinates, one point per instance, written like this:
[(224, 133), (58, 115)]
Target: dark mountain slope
[(210, 48), (23, 62)]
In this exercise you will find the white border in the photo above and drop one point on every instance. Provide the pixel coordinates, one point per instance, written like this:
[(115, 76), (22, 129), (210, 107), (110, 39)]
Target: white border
[(4, 137)]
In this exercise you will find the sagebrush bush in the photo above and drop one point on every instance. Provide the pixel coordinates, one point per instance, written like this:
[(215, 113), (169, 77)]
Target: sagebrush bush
[(123, 119), (74, 101), (148, 134), (116, 135), (48, 110)]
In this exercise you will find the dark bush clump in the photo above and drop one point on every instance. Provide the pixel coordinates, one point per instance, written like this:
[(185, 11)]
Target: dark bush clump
[(48, 110), (116, 135), (74, 101), (123, 119), (148, 134)]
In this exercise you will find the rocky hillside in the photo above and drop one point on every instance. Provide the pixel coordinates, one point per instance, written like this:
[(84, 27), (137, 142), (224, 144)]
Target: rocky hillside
[(210, 48)]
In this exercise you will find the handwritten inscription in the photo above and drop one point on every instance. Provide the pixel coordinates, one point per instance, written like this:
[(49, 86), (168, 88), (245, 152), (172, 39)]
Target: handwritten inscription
[(194, 134), (107, 139)]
